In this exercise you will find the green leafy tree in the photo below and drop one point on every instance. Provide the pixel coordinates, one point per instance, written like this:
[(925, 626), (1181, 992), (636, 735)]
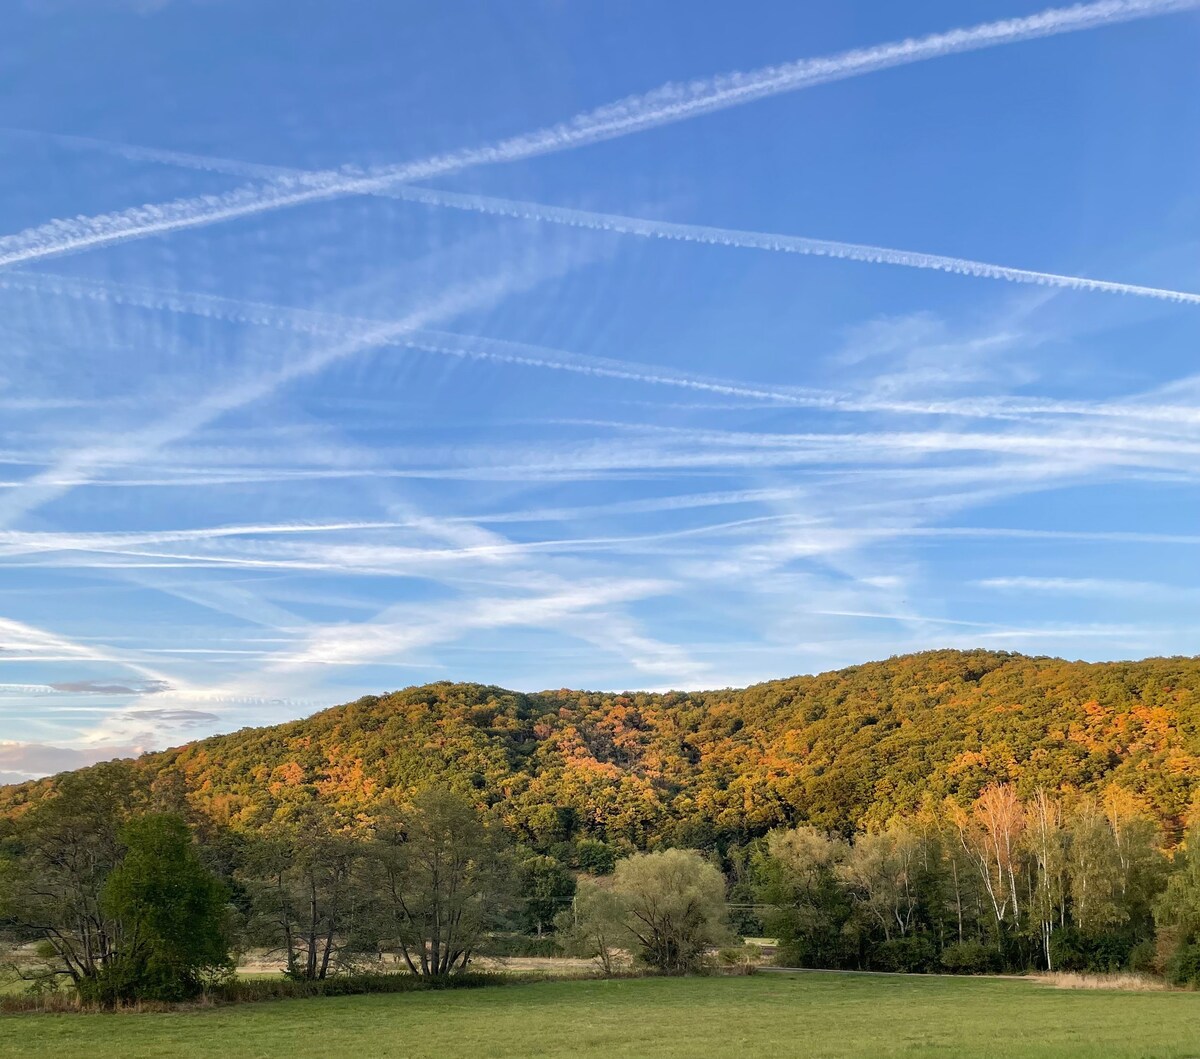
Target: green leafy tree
[(446, 880), (674, 904), (545, 886), (307, 883), (809, 909), (169, 914), (1046, 841), (594, 856), (594, 925), (1177, 914), (883, 872), (57, 859), (1095, 872)]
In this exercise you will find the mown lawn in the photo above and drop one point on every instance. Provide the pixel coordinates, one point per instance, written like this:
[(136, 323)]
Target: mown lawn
[(812, 1015)]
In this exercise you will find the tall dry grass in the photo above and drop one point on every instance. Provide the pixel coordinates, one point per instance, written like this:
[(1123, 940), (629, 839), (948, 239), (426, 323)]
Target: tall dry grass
[(1127, 982)]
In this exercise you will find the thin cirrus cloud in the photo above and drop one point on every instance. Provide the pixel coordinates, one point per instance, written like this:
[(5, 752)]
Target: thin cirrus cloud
[(667, 104)]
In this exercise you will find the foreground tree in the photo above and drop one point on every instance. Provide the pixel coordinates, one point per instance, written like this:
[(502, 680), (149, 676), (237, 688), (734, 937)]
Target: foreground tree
[(798, 877), (446, 881), (56, 861), (306, 881), (594, 927), (169, 915), (674, 905), (883, 872)]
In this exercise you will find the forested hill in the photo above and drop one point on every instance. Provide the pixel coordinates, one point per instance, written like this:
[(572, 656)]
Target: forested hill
[(839, 750)]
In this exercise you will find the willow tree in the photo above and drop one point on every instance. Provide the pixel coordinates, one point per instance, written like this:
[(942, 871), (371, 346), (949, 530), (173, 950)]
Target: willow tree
[(674, 905)]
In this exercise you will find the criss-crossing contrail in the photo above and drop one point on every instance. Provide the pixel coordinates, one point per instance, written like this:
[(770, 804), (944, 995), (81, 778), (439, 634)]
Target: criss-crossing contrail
[(669, 103), (321, 324), (658, 229), (205, 408)]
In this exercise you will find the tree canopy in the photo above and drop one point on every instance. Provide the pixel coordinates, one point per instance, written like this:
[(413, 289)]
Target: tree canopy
[(582, 775)]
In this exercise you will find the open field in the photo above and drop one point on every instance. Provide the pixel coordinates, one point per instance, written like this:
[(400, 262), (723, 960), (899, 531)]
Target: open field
[(809, 1014)]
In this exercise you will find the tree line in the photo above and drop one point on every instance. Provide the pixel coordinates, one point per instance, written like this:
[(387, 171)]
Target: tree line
[(130, 895), (1004, 884), (943, 811)]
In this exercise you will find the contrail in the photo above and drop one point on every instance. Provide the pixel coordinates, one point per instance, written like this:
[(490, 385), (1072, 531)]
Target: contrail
[(441, 343), (190, 417), (787, 244), (670, 103), (656, 229), (474, 347)]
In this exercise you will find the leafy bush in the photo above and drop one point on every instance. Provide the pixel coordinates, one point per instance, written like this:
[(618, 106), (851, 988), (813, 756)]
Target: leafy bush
[(915, 954), (1183, 968), (1143, 958), (739, 958), (517, 945), (970, 957), (249, 990), (1072, 950), (282, 988)]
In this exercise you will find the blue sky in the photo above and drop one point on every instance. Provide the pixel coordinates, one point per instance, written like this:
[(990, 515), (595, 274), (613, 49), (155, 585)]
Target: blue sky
[(350, 346)]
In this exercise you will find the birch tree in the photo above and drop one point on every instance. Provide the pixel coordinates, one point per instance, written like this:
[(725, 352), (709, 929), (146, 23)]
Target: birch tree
[(990, 834)]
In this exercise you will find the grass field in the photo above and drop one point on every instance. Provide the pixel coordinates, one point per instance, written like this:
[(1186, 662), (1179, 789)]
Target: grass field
[(812, 1015)]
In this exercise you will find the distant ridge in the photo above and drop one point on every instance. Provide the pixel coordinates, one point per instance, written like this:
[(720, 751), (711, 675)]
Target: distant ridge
[(840, 750)]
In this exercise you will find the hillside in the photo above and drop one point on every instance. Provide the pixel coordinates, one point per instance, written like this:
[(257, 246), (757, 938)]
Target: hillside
[(838, 750)]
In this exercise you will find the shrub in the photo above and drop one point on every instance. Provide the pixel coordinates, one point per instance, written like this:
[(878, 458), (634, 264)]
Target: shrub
[(741, 959), (282, 988), (915, 954), (517, 945), (1072, 950), (970, 957), (1183, 967), (1143, 958)]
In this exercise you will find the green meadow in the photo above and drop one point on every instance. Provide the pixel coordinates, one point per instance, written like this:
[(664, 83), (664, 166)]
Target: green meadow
[(823, 1016)]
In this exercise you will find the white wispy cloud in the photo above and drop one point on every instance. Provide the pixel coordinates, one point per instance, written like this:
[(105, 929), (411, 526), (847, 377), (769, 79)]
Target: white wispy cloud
[(709, 235), (667, 104), (21, 642), (885, 398), (192, 415), (1087, 586)]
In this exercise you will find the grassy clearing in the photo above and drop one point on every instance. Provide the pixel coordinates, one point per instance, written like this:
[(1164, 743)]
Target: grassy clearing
[(814, 1015)]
